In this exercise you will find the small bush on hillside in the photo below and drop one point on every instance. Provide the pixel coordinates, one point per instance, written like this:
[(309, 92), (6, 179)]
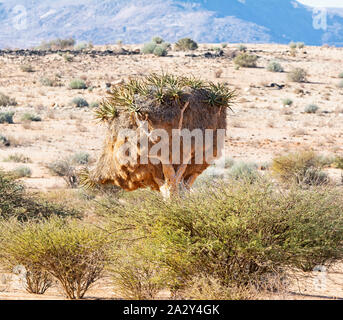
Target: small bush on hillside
[(77, 84), (81, 158), (18, 158), (83, 45), (50, 82), (340, 75), (30, 117), (300, 45), (68, 57), (297, 75), (311, 108), (6, 101), (275, 67), (79, 102), (160, 52), (26, 68), (302, 167), (157, 40), (292, 45), (6, 117), (66, 170), (73, 253), (287, 102), (4, 141), (340, 84), (186, 44), (245, 60), (57, 44), (149, 48), (16, 202), (242, 48), (243, 170), (22, 172)]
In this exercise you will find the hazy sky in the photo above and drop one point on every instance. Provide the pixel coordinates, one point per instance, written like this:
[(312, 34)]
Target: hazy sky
[(323, 3)]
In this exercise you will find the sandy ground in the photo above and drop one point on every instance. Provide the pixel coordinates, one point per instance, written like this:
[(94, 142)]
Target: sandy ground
[(259, 128)]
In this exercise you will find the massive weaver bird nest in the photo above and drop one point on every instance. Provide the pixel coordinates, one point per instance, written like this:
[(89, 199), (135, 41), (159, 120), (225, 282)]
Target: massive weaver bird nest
[(158, 102)]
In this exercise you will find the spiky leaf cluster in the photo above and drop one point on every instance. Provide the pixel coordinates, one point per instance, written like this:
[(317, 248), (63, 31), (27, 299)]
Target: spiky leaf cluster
[(161, 89)]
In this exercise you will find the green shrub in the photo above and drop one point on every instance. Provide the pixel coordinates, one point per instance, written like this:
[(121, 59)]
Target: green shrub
[(160, 51), (302, 167), (68, 57), (26, 68), (22, 172), (224, 45), (18, 158), (287, 102), (66, 170), (292, 45), (245, 60), (340, 84), (157, 40), (6, 101), (94, 105), (30, 117), (186, 44), (242, 48), (77, 84), (149, 48), (297, 75), (79, 102), (275, 67), (6, 117), (57, 44), (300, 45), (81, 158), (83, 45), (311, 108), (243, 170), (4, 141), (340, 75), (49, 82), (16, 202), (239, 233), (73, 253)]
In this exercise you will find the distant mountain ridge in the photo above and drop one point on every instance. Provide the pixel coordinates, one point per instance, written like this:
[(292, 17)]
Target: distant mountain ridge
[(25, 23)]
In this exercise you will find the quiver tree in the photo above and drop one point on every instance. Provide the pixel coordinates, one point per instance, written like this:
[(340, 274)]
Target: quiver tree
[(147, 119)]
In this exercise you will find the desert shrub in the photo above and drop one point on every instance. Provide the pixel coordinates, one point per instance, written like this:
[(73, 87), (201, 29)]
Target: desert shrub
[(57, 44), (136, 273), (340, 84), (22, 172), (6, 117), (65, 169), (245, 60), (287, 102), (77, 84), (239, 233), (303, 167), (340, 75), (83, 45), (73, 253), (30, 117), (68, 58), (311, 108), (292, 45), (18, 158), (243, 170), (4, 141), (297, 75), (6, 101), (242, 48), (186, 44), (50, 82), (81, 158), (26, 68), (274, 67), (157, 40), (79, 102), (160, 51), (16, 202), (94, 105), (300, 45), (149, 47), (224, 45)]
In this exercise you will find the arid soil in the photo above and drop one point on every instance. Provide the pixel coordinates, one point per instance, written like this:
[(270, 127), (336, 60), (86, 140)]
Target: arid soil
[(260, 127)]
